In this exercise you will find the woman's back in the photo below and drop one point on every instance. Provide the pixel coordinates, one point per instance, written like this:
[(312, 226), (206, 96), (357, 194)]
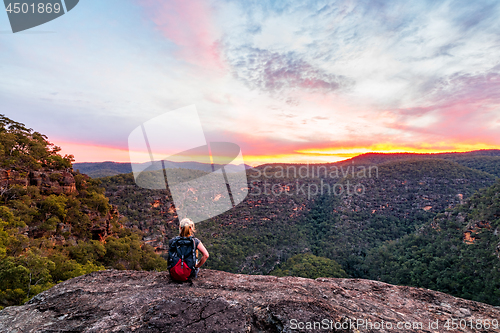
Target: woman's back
[(183, 263)]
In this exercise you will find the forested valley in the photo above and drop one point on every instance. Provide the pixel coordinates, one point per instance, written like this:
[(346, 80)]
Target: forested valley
[(386, 228)]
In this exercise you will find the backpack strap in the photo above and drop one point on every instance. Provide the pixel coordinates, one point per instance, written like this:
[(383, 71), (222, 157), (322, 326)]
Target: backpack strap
[(178, 254), (194, 252)]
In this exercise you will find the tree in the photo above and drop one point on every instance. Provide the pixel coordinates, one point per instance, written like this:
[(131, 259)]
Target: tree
[(310, 266)]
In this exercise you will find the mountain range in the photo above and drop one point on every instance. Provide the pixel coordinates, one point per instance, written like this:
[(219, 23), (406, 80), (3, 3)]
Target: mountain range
[(106, 169)]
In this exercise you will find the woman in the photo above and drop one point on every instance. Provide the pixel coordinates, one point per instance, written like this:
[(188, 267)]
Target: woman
[(181, 251)]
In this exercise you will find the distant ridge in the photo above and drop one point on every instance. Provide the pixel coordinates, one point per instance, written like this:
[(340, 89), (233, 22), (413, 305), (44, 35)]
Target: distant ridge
[(489, 158), (109, 168), (486, 160), (377, 158)]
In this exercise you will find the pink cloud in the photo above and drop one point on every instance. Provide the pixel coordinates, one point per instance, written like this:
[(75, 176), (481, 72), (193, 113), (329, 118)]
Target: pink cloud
[(190, 25), (261, 144), (465, 109)]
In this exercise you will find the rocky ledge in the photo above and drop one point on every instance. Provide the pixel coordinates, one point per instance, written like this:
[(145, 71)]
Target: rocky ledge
[(138, 301)]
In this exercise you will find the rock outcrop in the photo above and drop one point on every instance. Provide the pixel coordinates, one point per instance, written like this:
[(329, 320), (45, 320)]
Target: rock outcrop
[(48, 181), (56, 182), (138, 301), (12, 177)]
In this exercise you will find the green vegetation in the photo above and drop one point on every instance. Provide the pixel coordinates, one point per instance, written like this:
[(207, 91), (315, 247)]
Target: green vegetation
[(440, 257), (489, 164), (47, 237), (482, 160), (310, 266), (23, 148)]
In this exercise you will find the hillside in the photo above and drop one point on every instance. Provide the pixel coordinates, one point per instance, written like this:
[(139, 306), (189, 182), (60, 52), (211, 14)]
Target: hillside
[(267, 229), (55, 223), (458, 252), (405, 195), (377, 158), (102, 169), (126, 301), (487, 160), (481, 160), (246, 239)]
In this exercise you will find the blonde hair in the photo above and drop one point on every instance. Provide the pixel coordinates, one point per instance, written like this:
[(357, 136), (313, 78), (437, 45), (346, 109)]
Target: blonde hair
[(186, 228)]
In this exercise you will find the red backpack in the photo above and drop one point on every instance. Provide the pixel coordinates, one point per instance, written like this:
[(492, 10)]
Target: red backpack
[(182, 258)]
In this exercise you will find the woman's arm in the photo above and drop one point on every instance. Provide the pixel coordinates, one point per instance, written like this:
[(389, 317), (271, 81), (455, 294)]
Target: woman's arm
[(205, 254)]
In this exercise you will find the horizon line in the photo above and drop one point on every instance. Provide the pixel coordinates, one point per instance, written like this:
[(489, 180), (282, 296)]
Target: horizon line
[(342, 160)]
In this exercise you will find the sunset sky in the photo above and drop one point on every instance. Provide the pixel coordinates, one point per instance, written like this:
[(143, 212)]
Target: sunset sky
[(288, 81)]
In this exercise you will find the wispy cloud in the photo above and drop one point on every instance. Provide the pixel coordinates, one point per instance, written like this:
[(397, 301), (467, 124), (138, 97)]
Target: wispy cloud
[(282, 73)]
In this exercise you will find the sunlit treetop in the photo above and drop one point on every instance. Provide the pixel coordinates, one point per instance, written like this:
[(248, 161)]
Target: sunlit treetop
[(23, 148)]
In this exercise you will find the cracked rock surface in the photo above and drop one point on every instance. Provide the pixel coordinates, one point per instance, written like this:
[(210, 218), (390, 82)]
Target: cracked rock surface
[(138, 301)]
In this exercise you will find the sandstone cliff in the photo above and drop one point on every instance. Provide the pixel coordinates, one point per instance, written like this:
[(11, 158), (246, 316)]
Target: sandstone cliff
[(138, 301), (48, 181)]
